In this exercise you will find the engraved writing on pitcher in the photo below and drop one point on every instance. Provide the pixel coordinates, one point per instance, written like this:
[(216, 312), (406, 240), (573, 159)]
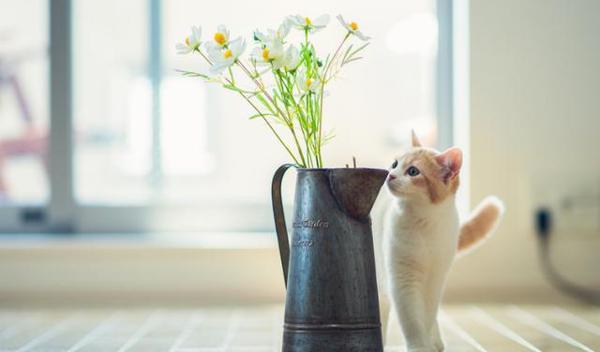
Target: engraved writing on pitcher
[(304, 243), (312, 223)]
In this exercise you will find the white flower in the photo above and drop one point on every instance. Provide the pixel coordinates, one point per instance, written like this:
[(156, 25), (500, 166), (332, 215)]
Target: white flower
[(352, 27), (270, 53), (191, 42), (222, 58), (220, 39), (309, 24), (306, 83), (291, 58), (272, 35), (283, 30)]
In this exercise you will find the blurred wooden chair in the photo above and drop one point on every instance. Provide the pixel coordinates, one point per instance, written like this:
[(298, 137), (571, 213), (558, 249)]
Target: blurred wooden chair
[(33, 141)]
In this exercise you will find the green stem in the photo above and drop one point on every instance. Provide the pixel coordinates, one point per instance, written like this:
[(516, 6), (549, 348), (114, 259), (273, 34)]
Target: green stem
[(231, 75), (263, 89), (232, 82), (289, 90), (324, 80), (278, 79), (204, 56), (270, 127)]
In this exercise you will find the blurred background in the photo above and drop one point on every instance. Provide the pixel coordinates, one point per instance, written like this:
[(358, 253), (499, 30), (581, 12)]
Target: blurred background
[(121, 181)]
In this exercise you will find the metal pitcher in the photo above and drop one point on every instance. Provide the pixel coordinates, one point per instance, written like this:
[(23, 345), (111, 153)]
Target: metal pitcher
[(329, 269)]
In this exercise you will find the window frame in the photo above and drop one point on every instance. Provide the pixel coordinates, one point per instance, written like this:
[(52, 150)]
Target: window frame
[(63, 214)]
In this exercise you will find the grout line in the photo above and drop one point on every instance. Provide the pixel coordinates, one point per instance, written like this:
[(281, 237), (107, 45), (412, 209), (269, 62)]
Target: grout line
[(50, 333), (276, 331), (500, 328), (247, 349), (96, 331), (576, 321), (546, 328), (18, 327), (455, 328), (141, 331), (220, 349), (187, 331), (236, 317)]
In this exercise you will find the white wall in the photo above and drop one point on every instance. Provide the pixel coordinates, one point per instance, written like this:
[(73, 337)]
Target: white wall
[(534, 131)]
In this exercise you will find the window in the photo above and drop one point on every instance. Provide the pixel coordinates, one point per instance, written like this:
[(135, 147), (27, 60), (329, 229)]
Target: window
[(146, 149), (23, 102)]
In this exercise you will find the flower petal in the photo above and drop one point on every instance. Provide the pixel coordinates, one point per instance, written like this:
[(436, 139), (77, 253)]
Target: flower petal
[(361, 36), (260, 36), (215, 53), (283, 30), (321, 21), (237, 46), (223, 29), (341, 20), (292, 58), (212, 46), (197, 33), (278, 63), (220, 66), (182, 49), (297, 21)]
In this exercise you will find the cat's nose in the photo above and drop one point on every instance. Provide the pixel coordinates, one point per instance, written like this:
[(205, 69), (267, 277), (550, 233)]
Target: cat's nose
[(391, 177)]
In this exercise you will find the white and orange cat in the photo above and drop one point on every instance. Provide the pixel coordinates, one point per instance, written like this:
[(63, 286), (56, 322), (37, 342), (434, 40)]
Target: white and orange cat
[(417, 236)]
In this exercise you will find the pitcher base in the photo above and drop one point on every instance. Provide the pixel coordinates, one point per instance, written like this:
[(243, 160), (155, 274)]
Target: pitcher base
[(364, 340)]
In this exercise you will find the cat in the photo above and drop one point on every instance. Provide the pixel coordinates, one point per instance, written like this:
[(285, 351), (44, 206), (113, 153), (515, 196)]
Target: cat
[(417, 236)]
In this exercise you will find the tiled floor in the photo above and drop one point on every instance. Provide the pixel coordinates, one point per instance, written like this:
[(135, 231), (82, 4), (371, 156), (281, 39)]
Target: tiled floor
[(466, 328)]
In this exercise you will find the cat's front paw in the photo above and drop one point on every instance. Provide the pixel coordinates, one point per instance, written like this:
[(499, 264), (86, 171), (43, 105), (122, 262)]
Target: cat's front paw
[(438, 344), (436, 338)]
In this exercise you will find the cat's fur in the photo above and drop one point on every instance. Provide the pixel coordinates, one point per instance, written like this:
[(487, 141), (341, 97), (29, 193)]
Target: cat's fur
[(417, 236)]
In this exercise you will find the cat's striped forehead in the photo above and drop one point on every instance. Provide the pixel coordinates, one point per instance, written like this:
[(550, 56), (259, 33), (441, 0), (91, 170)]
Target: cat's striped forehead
[(418, 156)]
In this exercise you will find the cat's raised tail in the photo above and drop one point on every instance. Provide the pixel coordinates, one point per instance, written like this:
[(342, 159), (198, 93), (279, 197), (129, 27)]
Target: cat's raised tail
[(481, 223)]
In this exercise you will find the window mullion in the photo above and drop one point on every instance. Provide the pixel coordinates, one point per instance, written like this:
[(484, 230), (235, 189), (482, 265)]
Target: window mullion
[(60, 152), (444, 77), (155, 73)]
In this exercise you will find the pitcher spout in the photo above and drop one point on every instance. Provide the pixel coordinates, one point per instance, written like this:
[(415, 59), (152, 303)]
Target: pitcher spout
[(356, 189)]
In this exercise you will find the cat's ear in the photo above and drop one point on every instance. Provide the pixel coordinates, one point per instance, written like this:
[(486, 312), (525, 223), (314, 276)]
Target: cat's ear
[(415, 140), (450, 160)]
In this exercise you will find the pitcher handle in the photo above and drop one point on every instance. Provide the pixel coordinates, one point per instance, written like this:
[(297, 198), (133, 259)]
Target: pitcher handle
[(280, 226)]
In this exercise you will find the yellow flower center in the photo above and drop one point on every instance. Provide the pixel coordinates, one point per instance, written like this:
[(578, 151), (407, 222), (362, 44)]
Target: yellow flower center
[(307, 21), (354, 26), (220, 38), (265, 54), (308, 82), (227, 53), (187, 41)]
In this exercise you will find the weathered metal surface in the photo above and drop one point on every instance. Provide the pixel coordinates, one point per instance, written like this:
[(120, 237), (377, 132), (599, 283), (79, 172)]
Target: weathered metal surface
[(329, 269)]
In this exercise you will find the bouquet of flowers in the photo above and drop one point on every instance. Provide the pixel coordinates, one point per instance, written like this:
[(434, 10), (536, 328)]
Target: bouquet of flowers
[(285, 82)]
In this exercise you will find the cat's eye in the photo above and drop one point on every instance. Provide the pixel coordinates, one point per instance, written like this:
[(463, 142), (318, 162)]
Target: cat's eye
[(394, 164), (412, 171)]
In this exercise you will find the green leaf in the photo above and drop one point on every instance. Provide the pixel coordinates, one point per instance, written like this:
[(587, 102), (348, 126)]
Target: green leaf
[(350, 55), (360, 48), (260, 115), (352, 60), (232, 87), (347, 52), (239, 90), (265, 103), (193, 74)]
